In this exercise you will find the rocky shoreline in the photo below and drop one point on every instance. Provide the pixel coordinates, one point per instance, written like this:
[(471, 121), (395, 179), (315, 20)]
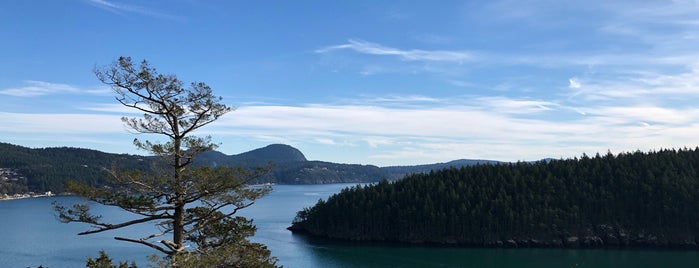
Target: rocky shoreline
[(4, 197), (599, 236)]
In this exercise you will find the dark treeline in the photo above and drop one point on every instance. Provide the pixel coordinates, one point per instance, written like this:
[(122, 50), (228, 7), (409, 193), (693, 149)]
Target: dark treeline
[(631, 199), (48, 169)]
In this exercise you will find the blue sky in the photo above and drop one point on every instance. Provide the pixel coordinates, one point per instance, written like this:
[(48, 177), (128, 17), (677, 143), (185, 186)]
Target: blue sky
[(367, 82)]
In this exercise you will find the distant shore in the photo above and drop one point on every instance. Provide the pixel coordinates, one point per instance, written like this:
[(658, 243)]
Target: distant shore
[(4, 197)]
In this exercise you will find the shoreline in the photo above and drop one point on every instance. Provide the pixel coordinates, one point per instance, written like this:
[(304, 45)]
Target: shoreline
[(6, 197), (316, 239)]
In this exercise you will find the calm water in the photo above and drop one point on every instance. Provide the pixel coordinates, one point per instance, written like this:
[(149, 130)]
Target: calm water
[(31, 236)]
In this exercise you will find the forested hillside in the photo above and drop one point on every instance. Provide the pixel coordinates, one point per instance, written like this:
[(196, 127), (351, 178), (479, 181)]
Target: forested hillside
[(631, 199), (290, 166), (48, 169)]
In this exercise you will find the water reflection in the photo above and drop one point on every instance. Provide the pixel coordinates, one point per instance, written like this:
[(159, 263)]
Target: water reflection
[(332, 254), (32, 236)]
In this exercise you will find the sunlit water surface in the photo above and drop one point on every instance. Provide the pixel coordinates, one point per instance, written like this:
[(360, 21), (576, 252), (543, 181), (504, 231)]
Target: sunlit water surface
[(31, 236)]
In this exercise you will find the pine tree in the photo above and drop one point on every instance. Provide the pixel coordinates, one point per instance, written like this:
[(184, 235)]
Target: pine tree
[(194, 206)]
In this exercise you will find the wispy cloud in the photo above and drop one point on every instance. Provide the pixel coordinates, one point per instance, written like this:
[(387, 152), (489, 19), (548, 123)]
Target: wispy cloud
[(41, 88), (395, 100), (497, 128), (515, 106), (56, 124), (638, 114), (574, 83), (500, 128), (559, 79), (365, 47), (659, 87), (111, 108), (120, 8)]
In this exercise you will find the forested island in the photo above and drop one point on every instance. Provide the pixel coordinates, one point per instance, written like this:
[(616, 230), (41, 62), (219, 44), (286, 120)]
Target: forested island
[(626, 200)]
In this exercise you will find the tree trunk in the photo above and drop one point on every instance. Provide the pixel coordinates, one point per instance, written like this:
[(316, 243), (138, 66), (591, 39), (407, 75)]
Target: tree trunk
[(178, 228), (178, 220)]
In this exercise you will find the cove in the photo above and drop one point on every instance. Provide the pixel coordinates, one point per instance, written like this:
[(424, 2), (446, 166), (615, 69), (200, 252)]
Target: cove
[(32, 236)]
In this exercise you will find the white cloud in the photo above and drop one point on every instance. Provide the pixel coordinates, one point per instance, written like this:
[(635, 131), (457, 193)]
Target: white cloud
[(326, 141), (111, 108), (574, 83), (395, 100), (633, 114), (41, 88), (59, 123), (487, 128), (468, 131), (641, 86), (118, 8), (377, 141), (515, 106), (365, 47)]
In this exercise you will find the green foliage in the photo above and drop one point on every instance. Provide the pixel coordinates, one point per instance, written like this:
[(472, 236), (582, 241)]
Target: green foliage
[(48, 169), (194, 206), (623, 199), (103, 261), (240, 254)]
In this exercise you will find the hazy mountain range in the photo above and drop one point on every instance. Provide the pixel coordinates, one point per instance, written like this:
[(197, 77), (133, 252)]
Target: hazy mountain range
[(47, 169), (292, 167)]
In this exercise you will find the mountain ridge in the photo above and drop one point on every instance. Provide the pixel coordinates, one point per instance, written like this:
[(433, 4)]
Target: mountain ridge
[(47, 169)]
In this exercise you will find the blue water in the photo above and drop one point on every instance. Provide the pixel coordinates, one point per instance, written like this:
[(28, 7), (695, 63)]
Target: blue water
[(31, 235)]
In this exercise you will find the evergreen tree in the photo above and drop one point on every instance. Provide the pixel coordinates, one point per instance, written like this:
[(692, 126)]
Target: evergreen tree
[(632, 199), (194, 206)]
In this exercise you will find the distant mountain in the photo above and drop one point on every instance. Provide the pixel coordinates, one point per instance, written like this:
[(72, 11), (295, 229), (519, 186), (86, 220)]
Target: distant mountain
[(290, 166), (277, 153), (280, 153), (48, 169)]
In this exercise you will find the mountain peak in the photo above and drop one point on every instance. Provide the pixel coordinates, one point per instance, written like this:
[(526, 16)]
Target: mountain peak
[(276, 153)]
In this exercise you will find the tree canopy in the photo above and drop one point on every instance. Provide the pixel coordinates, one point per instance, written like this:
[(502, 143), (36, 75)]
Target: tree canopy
[(194, 206), (630, 199)]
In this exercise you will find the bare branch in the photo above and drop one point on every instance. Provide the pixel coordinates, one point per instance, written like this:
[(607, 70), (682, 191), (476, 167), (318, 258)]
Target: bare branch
[(156, 235), (159, 248), (107, 227)]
